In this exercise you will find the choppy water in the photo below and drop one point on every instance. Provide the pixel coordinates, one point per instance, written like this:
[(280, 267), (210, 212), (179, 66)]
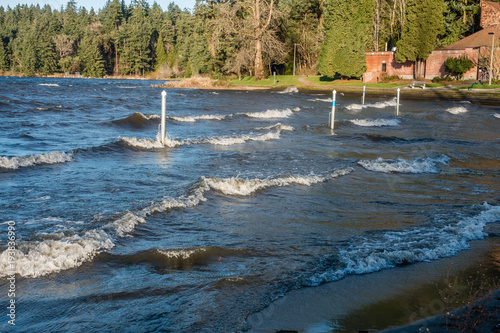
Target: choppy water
[(252, 197)]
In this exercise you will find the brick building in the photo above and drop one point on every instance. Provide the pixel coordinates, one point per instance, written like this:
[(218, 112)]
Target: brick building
[(476, 47)]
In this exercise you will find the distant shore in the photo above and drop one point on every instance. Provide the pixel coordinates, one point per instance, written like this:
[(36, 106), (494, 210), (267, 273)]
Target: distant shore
[(452, 91)]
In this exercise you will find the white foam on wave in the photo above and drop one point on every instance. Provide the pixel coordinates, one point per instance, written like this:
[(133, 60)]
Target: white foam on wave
[(126, 224), (326, 100), (49, 108), (378, 105), (151, 143), (366, 255), (192, 119), (49, 84), (457, 110), (220, 141), (52, 256), (181, 254), (376, 122), (418, 165), (496, 115), (245, 187), (278, 126), (35, 259), (272, 113), (289, 90), (31, 160)]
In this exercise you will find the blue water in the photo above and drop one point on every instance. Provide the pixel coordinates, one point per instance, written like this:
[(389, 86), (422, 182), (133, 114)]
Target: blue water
[(251, 197)]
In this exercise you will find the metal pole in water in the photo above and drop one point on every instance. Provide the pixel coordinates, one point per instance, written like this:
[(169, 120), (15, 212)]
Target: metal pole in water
[(163, 116), (364, 91), (397, 104), (332, 114)]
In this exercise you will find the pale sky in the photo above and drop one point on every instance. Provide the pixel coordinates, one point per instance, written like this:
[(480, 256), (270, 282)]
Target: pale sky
[(96, 4)]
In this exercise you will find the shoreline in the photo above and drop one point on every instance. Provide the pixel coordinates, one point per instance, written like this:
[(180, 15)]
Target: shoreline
[(398, 300)]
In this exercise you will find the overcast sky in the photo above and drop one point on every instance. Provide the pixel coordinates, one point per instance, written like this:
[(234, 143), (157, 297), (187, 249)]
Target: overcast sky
[(96, 4)]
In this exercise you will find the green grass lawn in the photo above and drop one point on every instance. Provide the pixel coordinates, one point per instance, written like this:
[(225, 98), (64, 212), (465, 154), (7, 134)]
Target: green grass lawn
[(324, 81), (480, 86), (281, 81)]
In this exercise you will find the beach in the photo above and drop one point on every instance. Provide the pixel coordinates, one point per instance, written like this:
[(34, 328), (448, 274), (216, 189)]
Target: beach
[(253, 215)]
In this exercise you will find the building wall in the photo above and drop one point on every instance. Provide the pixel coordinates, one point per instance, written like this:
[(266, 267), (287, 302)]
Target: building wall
[(375, 66), (490, 16), (434, 65)]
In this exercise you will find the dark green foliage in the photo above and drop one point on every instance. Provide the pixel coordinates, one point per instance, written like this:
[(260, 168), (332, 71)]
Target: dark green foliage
[(330, 36), (161, 55), (458, 66), (348, 29), (424, 22), (4, 65), (90, 52), (460, 19)]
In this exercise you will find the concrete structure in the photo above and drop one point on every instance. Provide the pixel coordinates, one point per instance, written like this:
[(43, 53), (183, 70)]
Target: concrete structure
[(476, 47)]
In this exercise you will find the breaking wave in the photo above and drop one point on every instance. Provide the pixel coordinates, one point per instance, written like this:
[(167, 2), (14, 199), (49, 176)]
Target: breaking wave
[(272, 113), (137, 119), (52, 256), (418, 165), (35, 259), (31, 160), (457, 110), (192, 119), (392, 248), (289, 90), (376, 122), (378, 105), (220, 141), (49, 84)]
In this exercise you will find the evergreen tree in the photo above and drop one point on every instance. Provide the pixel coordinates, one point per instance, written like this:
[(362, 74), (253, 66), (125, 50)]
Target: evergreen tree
[(4, 65), (348, 30), (136, 41), (423, 24), (161, 55), (90, 52)]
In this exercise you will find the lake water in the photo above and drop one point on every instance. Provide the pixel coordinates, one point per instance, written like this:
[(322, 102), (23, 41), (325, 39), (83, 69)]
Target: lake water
[(252, 197)]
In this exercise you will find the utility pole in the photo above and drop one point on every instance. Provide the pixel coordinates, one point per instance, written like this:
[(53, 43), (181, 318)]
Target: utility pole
[(294, 55), (492, 51)]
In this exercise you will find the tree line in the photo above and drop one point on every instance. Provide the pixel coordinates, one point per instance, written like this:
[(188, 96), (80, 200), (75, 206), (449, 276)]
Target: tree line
[(226, 37)]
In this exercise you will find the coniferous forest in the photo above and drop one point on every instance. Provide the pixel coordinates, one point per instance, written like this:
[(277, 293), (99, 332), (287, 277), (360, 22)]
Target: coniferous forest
[(226, 37)]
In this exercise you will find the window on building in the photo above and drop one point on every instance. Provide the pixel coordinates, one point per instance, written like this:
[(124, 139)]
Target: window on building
[(384, 67)]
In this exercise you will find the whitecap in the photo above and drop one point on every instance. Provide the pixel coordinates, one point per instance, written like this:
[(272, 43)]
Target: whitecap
[(192, 119), (418, 165), (457, 110), (49, 84), (31, 160), (289, 90), (366, 255), (52, 256), (376, 122), (377, 105), (271, 114)]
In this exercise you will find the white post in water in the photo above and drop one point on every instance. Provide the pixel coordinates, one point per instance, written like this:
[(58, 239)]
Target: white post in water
[(332, 114), (163, 116), (363, 99), (397, 104)]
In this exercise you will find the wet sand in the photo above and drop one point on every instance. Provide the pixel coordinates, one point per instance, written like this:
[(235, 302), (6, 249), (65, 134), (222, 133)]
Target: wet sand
[(416, 295)]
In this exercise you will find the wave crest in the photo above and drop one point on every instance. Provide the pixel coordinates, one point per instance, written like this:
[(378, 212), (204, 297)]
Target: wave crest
[(418, 165), (31, 160)]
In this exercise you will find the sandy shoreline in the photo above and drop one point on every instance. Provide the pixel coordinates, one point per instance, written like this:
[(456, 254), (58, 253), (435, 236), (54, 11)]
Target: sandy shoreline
[(398, 300)]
